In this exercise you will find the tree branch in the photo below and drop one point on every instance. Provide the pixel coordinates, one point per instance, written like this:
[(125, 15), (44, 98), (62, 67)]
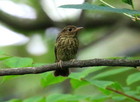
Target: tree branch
[(69, 64), (119, 92), (24, 23)]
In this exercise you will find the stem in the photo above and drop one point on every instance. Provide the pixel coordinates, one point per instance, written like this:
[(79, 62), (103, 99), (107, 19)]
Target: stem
[(119, 92), (132, 17)]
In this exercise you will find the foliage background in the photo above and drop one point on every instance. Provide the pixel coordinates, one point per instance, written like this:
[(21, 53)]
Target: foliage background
[(106, 34)]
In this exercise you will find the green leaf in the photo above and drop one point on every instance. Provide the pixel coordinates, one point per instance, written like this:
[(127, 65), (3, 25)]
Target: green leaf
[(35, 99), (112, 72), (76, 75), (116, 86), (128, 2), (118, 98), (55, 97), (6, 78), (100, 83), (32, 99), (49, 79), (116, 58), (15, 100), (65, 98), (84, 73), (129, 91), (133, 58), (77, 83), (4, 58), (105, 91), (133, 78), (87, 6), (98, 97), (16, 62), (138, 89), (75, 97)]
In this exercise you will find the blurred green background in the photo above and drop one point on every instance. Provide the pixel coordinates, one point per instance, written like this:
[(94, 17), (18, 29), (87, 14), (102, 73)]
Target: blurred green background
[(28, 28)]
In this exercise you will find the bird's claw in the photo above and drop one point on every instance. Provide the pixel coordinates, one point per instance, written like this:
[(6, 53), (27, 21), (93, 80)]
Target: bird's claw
[(72, 60), (60, 64)]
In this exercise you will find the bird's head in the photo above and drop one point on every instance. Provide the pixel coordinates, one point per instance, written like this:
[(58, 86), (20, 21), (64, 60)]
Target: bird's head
[(70, 30)]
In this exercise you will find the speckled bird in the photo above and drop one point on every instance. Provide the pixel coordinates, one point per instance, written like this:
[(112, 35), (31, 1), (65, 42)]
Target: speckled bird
[(66, 47)]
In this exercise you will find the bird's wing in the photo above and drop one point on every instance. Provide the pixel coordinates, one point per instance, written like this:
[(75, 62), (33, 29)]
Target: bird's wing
[(55, 51)]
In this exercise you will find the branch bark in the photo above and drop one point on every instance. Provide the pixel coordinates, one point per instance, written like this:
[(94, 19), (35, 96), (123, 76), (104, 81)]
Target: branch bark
[(69, 64)]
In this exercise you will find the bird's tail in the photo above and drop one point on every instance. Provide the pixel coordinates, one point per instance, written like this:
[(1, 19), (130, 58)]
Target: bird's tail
[(61, 72)]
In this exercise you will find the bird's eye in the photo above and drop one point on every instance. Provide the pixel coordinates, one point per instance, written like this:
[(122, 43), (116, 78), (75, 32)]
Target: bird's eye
[(70, 29)]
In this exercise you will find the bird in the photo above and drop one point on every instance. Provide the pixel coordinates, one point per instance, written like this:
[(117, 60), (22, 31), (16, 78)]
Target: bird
[(66, 48)]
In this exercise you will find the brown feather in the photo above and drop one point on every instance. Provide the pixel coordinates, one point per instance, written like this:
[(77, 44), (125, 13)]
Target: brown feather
[(66, 47)]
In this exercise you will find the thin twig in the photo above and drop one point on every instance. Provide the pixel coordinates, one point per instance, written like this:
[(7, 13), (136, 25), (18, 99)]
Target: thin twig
[(132, 17), (69, 64), (119, 92)]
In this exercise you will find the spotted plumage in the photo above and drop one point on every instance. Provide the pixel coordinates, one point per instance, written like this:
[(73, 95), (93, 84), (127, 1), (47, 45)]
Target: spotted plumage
[(66, 47)]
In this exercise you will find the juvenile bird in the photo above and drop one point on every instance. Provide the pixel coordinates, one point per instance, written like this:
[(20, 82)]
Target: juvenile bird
[(66, 47)]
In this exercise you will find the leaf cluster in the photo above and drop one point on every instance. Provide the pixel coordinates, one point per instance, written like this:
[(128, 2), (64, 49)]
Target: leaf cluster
[(79, 80)]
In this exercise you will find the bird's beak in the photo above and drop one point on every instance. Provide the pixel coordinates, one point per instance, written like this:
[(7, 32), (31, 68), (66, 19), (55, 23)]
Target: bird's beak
[(78, 28)]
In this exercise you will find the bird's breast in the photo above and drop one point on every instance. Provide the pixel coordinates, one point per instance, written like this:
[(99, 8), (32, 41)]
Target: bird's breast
[(66, 48), (68, 43)]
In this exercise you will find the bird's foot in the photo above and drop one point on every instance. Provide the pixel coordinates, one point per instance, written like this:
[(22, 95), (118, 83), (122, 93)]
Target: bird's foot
[(72, 60), (60, 63)]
